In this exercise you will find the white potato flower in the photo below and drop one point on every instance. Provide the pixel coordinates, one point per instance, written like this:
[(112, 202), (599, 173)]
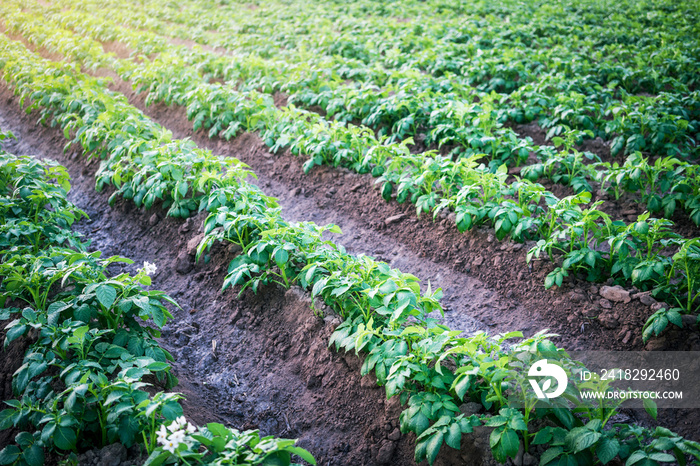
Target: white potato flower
[(170, 446), (177, 437), (148, 268), (162, 435)]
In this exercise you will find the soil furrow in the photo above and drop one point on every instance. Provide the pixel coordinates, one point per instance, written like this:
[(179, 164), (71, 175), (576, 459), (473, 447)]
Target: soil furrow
[(269, 368), (485, 281)]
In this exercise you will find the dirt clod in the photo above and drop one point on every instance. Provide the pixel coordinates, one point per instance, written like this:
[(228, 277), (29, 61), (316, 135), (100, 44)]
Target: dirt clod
[(394, 219), (608, 320), (646, 299), (616, 294), (386, 452), (183, 263)]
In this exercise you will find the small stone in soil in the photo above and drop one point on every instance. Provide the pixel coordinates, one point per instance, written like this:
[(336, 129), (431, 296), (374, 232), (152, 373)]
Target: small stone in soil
[(193, 243), (470, 408), (605, 304), (627, 337), (529, 460), (658, 306), (186, 227), (394, 219), (183, 264), (647, 300), (615, 294)]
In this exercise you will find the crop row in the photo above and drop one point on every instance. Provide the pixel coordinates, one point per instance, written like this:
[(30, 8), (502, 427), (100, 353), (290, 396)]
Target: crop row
[(472, 129), (430, 367), (403, 103), (447, 43), (557, 84), (82, 383), (583, 241)]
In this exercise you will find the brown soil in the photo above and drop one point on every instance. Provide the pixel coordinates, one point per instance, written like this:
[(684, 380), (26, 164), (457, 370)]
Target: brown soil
[(271, 369), (487, 283)]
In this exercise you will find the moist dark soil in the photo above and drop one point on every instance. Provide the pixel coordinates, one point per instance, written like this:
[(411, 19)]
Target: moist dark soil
[(487, 283), (255, 361), (269, 367)]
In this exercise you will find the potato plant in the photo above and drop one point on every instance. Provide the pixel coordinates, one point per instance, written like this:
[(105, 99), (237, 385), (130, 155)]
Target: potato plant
[(386, 317), (81, 382)]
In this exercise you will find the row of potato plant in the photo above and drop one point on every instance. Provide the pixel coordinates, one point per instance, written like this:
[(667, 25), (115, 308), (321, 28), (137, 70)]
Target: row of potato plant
[(479, 137), (601, 95), (85, 378), (430, 367), (587, 241), (395, 109), (455, 123)]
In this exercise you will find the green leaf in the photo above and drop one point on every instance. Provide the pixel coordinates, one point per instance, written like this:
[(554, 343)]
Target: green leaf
[(543, 436), (182, 187), (675, 317), (303, 454), (387, 188), (650, 407), (106, 295), (607, 449), (9, 454), (662, 457), (583, 439), (171, 410), (281, 257), (14, 332), (507, 446), (157, 458), (34, 455), (454, 436), (64, 438), (462, 386), (420, 421), (549, 281), (550, 455), (6, 418), (635, 457), (432, 447)]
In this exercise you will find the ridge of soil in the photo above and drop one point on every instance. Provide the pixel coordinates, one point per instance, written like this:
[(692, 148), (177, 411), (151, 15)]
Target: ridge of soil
[(294, 386), (487, 283), (270, 368)]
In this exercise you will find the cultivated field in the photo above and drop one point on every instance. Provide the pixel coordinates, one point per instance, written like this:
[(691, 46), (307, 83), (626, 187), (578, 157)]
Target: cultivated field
[(359, 226)]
